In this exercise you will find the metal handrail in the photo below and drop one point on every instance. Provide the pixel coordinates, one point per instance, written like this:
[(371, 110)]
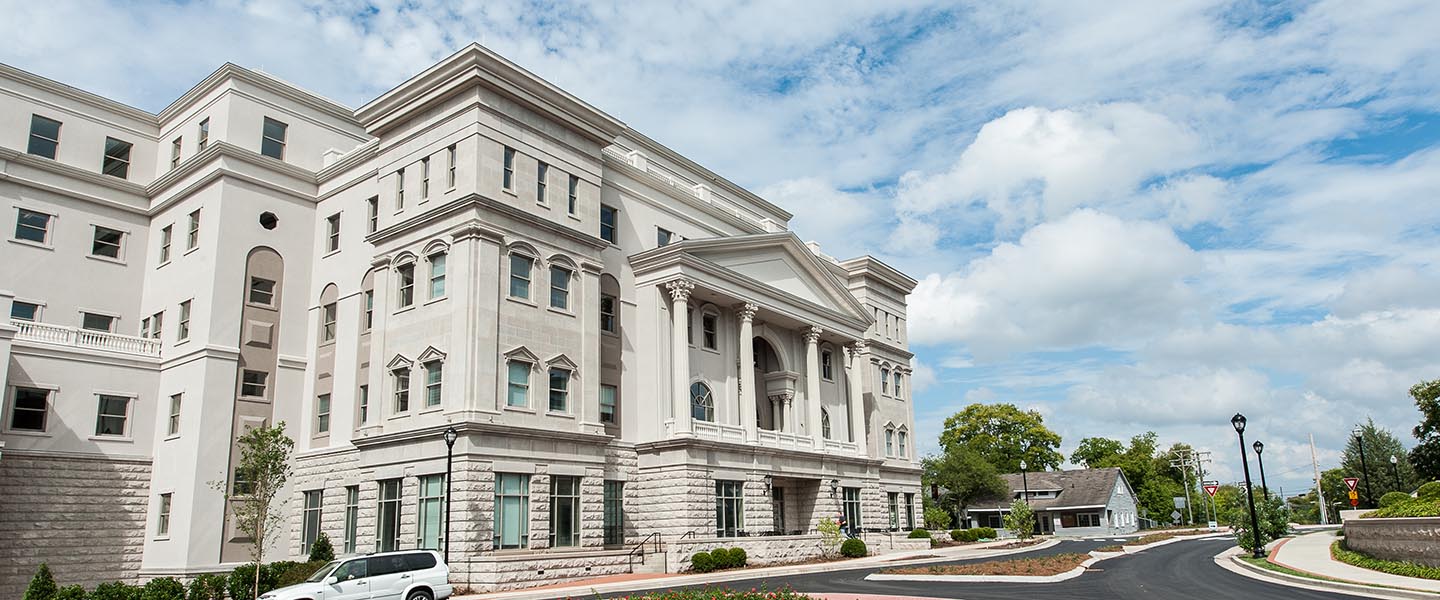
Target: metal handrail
[(688, 534), (640, 547)]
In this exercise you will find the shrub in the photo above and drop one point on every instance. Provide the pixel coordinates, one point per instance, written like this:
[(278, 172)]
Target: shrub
[(1021, 520), (974, 535), (1430, 491), (919, 534), (739, 557), (70, 592), (118, 590), (721, 557), (163, 588), (986, 533), (208, 586), (957, 535), (322, 549), (937, 518), (853, 548), (829, 536), (702, 562), (1393, 498), (42, 585), (1339, 552), (241, 582), (1411, 507), (291, 573)]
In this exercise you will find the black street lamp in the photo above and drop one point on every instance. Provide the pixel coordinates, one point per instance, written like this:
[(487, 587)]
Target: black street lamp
[(1264, 487), (1024, 481), (1359, 433), (1238, 421), (450, 436), (1395, 471)]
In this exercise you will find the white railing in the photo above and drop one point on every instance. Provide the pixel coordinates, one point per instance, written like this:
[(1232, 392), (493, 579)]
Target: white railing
[(719, 431), (84, 338), (779, 439), (842, 447)]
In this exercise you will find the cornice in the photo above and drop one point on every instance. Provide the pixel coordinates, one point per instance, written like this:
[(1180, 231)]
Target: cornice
[(270, 84), (60, 168), (473, 201), (78, 95), (870, 266), (662, 150), (70, 455), (743, 448), (220, 149), (350, 160), (433, 432), (654, 182), (24, 347)]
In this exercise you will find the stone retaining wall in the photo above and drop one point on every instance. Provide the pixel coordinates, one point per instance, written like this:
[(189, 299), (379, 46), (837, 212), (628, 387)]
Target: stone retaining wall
[(506, 571), (773, 550), (1414, 540)]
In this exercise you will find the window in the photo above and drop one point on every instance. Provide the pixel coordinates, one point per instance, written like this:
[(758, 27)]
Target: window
[(777, 509), (352, 518), (825, 423), (690, 325), (252, 383), (827, 365), (897, 384), (851, 501), (117, 158), (424, 178), (401, 378), (193, 237), (44, 136), (520, 276), (24, 311), (30, 409), (322, 413), (332, 228), (702, 406), (110, 419), (889, 442), (173, 424), (893, 504), (437, 275), (519, 383), (512, 511), (434, 375), (884, 380), (156, 323), (910, 511), (608, 317), (272, 143), (903, 440), (372, 214), (162, 516), (608, 216), (614, 506), (432, 511), (508, 182), (729, 508), (572, 197), (203, 138), (364, 404), (327, 323), (310, 529), (607, 403), (542, 174), (388, 526), (165, 233), (559, 389), (663, 237), (450, 167), (106, 242), (242, 486), (400, 189), (32, 226), (97, 322), (1087, 520), (407, 284), (262, 291), (182, 332), (369, 309), (709, 324), (564, 511), (560, 288)]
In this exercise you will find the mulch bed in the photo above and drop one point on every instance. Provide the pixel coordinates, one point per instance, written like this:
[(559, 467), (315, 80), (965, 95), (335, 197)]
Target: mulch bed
[(1039, 566)]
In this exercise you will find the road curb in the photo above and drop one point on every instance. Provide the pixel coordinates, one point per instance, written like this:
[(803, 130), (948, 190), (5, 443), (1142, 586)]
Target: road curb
[(1095, 557), (1230, 561)]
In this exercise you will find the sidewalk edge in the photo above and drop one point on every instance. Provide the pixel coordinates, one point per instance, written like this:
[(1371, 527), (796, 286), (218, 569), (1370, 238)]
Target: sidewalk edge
[(1230, 561)]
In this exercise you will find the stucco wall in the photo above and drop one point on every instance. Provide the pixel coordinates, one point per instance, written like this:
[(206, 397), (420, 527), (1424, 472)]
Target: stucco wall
[(1414, 540)]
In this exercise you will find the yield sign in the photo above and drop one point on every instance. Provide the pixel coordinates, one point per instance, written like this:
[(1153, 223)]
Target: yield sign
[(1211, 489), (1351, 482)]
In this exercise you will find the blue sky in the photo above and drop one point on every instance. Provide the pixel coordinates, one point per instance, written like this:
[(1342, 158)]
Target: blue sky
[(1130, 217)]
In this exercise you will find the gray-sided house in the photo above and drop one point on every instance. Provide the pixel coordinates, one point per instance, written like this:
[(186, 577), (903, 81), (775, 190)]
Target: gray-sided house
[(1067, 503)]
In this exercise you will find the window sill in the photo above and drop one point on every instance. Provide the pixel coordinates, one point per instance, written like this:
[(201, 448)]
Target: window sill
[(260, 306), (510, 191), (112, 438), (330, 253), (574, 217), (560, 311), (434, 300), (254, 398), (404, 309), (330, 342), (432, 409), (710, 350), (170, 437), (614, 334), (399, 415), (113, 261), (522, 301), (40, 245), (28, 433), (181, 341), (559, 414), (520, 409), (189, 250), (160, 538), (161, 265)]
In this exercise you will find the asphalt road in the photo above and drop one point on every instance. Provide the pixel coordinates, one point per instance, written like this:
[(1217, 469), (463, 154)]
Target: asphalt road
[(1181, 570)]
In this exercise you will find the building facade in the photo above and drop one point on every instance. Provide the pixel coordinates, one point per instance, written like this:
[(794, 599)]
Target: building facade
[(1074, 503), (630, 346)]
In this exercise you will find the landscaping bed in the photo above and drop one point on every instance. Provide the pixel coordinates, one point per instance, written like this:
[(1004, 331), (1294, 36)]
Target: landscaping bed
[(722, 594), (1339, 552), (1040, 566)]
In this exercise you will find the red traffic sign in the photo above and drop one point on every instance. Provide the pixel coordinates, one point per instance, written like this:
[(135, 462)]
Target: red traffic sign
[(1354, 502), (1211, 489), (1351, 482)]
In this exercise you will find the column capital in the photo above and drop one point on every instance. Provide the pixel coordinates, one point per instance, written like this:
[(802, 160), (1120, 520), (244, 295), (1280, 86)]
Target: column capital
[(812, 334), (858, 346), (680, 289), (785, 397), (746, 311)]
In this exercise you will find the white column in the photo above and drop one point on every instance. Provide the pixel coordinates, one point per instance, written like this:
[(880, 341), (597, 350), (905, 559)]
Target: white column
[(680, 354), (857, 397), (812, 385), (747, 396), (788, 408)]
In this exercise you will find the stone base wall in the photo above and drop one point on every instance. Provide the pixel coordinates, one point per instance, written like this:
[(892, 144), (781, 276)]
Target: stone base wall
[(758, 551), (504, 571), (84, 517), (1415, 540)]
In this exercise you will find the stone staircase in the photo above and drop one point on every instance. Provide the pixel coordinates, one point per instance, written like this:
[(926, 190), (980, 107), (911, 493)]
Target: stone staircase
[(649, 558)]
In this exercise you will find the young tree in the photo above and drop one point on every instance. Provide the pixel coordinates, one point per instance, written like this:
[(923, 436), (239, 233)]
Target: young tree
[(1021, 520), (1380, 445), (42, 585), (255, 496), (963, 476), (1003, 435)]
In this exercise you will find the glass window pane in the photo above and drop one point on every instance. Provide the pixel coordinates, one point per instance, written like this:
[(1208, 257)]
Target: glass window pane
[(32, 226)]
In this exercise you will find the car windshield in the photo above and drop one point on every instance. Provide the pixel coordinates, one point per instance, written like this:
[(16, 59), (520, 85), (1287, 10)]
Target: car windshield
[(325, 570)]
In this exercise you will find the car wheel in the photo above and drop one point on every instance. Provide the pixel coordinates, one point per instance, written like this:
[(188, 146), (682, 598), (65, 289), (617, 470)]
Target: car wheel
[(420, 595)]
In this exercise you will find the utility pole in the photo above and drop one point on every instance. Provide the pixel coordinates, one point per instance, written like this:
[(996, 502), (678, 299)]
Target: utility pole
[(1200, 458), (1183, 461), (1319, 493)]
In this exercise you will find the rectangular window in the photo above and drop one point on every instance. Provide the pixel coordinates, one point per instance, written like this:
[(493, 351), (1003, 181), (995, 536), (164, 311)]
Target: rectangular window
[(407, 284), (910, 511), (173, 424), (729, 508), (520, 276), (894, 506), (30, 409), (182, 331), (827, 365), (262, 291), (889, 442), (44, 136), (560, 288), (156, 325), (117, 158), (352, 517), (24, 311), (542, 174), (607, 223), (572, 197), (897, 384), (607, 403), (508, 182), (272, 143), (709, 331), (608, 318), (401, 379), (518, 376), (369, 309), (327, 323), (564, 511), (310, 530), (559, 389), (165, 233), (97, 322), (252, 383), (242, 485), (175, 153), (372, 214), (202, 139), (903, 440), (400, 189), (432, 511), (512, 511), (434, 376), (364, 404), (388, 526), (851, 502), (322, 413), (450, 167), (663, 237), (112, 415), (162, 516), (332, 232), (32, 226), (193, 237), (885, 381), (614, 506), (437, 275), (1087, 520), (106, 242), (424, 178)]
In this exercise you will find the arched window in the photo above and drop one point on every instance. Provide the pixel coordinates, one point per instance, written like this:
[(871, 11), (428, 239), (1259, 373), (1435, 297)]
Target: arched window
[(702, 405), (825, 423)]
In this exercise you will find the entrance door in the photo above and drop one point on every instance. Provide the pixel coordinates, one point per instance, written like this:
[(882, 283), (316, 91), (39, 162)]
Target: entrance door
[(777, 509)]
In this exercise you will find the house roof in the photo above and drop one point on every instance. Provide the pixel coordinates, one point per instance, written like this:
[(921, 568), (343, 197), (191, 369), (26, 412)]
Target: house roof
[(1078, 488)]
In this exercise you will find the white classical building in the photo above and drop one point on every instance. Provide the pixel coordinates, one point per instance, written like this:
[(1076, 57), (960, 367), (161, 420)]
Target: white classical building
[(632, 348)]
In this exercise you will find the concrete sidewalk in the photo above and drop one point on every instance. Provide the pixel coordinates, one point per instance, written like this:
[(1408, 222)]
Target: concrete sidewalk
[(1311, 553)]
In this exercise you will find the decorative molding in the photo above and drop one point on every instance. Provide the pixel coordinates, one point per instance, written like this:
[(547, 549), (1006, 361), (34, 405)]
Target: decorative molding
[(430, 354), (398, 363), (746, 311), (680, 289), (812, 335)]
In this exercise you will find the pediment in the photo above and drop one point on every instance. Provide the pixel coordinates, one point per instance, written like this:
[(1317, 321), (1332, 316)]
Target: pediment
[(784, 263), (399, 363)]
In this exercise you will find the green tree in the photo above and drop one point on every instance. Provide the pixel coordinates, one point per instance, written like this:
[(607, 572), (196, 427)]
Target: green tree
[(1147, 469), (1003, 435), (1425, 456), (963, 476), (264, 467), (1380, 445), (321, 549), (1021, 520), (42, 585), (1097, 452)]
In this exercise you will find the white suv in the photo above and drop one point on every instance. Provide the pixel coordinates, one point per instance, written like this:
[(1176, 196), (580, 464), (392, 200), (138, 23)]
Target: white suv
[(412, 575)]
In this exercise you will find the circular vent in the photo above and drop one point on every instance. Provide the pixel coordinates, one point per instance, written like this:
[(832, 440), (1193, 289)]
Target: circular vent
[(268, 220)]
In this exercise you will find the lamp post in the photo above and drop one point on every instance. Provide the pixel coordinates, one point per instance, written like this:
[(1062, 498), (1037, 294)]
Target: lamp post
[(1238, 422), (1395, 471), (1024, 481), (450, 436), (1359, 433), (1264, 487)]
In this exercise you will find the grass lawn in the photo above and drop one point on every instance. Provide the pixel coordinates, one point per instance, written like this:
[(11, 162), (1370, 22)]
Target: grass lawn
[(1039, 566)]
